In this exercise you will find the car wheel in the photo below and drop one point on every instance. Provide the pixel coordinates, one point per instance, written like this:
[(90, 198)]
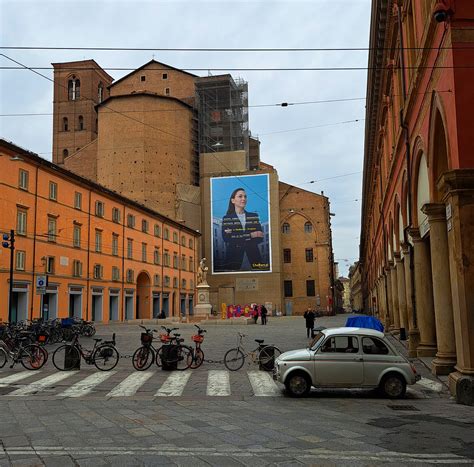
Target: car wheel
[(298, 384), (393, 386)]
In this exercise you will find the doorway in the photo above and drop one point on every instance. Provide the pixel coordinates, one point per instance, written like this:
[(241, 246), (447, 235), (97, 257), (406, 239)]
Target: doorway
[(182, 305), (97, 303), (49, 305), (156, 304), (143, 296), (75, 303), (129, 307), (113, 307), (166, 304)]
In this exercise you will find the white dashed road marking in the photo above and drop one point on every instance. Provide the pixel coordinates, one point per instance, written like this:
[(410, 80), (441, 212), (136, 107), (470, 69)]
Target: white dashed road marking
[(86, 385), (263, 384), (130, 385), (5, 382), (42, 384), (218, 383), (430, 384), (174, 384)]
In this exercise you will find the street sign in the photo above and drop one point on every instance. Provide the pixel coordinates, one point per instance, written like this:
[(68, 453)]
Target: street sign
[(40, 290), (41, 282)]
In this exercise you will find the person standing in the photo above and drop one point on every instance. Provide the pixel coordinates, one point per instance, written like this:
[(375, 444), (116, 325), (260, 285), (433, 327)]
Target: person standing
[(309, 316), (263, 314), (255, 313)]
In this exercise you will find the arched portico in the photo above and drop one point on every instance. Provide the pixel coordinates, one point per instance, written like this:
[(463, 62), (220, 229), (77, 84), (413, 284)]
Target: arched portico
[(143, 296)]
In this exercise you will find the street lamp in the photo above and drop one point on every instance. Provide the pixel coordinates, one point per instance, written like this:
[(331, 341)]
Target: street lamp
[(9, 242)]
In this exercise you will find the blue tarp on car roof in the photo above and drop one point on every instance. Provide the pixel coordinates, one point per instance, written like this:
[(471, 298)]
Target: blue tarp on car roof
[(368, 322)]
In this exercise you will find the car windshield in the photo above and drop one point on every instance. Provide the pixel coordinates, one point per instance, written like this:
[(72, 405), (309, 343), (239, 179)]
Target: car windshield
[(318, 338)]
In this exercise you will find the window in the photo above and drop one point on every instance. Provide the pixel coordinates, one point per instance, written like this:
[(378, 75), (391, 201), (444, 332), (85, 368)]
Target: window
[(51, 229), (115, 273), (130, 275), (99, 209), (77, 200), (309, 255), (308, 227), (166, 235), (76, 268), (65, 153), (183, 283), (183, 240), (23, 179), (156, 256), (157, 230), (175, 282), (142, 78), (288, 288), (191, 264), (76, 236), (190, 243), (20, 260), (21, 222), (115, 240), (130, 220), (287, 255), (116, 215), (129, 248), (156, 280), (98, 271), (98, 241), (144, 225), (100, 93), (285, 228), (191, 284), (183, 262), (50, 263), (310, 289), (374, 346), (175, 237), (144, 255), (175, 260), (164, 76), (167, 91), (65, 124), (53, 191), (74, 89), (341, 344), (167, 281), (166, 258)]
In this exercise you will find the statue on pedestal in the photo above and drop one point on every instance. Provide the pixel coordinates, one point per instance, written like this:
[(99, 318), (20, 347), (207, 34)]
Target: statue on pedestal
[(202, 272)]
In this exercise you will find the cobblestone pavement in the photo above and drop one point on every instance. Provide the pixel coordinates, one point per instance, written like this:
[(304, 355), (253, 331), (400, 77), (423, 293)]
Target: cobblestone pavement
[(42, 425)]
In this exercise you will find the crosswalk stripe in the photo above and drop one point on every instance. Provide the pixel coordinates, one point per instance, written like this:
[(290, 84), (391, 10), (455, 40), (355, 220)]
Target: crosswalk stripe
[(174, 384), (86, 385), (218, 383), (263, 384), (130, 385), (42, 384), (430, 384), (5, 382)]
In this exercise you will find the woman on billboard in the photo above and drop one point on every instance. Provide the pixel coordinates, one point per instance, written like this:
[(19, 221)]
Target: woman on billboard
[(242, 233)]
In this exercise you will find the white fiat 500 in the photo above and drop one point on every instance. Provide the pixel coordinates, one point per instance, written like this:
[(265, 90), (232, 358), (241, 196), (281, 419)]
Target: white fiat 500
[(346, 358)]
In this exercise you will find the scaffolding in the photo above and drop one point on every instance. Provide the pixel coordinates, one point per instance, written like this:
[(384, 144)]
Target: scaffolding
[(223, 114)]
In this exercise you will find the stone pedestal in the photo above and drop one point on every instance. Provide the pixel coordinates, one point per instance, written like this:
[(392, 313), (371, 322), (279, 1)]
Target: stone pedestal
[(458, 188), (445, 359), (203, 307), (424, 297), (394, 303)]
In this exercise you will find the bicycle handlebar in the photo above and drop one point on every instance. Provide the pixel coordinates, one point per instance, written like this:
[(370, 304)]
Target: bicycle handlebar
[(200, 330)]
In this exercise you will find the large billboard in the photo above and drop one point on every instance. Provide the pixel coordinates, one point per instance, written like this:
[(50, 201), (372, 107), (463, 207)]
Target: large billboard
[(240, 218)]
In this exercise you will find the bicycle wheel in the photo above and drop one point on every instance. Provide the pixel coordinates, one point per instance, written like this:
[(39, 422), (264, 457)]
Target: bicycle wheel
[(184, 355), (33, 357), (105, 357), (266, 357), (159, 356), (88, 330), (143, 358), (234, 359), (66, 357), (3, 357), (197, 357)]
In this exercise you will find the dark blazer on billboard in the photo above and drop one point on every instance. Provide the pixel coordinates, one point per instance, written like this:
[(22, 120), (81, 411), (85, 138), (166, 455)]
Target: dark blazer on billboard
[(238, 240)]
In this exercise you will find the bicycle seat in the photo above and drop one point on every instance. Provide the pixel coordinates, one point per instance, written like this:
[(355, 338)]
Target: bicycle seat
[(259, 341), (97, 340), (176, 335)]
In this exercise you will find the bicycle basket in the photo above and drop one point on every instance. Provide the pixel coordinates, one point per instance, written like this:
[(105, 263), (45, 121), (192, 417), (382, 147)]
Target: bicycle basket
[(42, 338), (146, 338), (165, 338), (106, 353), (197, 338)]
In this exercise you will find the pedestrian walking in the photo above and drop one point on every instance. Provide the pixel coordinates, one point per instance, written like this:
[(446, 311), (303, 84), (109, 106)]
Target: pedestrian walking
[(255, 313), (309, 316), (263, 314)]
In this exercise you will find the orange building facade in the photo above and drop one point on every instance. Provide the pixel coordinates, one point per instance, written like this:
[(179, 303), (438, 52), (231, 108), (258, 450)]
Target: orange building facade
[(417, 255), (106, 258)]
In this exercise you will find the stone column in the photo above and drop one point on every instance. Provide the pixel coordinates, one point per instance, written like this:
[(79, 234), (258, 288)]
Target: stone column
[(402, 298), (445, 359), (387, 292), (424, 296), (394, 303), (458, 188), (413, 332)]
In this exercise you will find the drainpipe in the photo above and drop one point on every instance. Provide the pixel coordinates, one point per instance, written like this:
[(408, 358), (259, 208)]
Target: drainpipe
[(33, 282)]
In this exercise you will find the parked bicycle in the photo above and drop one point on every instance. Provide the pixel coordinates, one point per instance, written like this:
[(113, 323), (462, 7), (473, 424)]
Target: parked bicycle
[(197, 356), (173, 353), (145, 355), (104, 356), (31, 356), (263, 355)]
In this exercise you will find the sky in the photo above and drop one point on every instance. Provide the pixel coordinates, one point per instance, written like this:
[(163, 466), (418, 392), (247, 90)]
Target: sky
[(316, 146)]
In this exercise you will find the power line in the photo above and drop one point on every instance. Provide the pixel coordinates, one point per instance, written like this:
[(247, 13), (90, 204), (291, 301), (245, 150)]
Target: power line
[(311, 127)]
